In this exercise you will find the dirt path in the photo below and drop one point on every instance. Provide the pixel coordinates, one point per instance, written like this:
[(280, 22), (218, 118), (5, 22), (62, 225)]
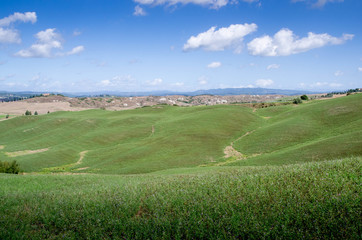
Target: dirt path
[(25, 152), (230, 151), (81, 156)]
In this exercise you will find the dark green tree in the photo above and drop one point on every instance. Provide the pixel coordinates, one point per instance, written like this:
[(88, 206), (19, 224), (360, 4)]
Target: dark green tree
[(36, 113), (28, 112), (304, 97)]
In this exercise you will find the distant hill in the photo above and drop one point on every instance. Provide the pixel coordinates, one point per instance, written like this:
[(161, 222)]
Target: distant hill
[(219, 91)]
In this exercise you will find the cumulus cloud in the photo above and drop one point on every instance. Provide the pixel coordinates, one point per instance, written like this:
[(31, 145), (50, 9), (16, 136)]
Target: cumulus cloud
[(215, 4), (22, 17), (273, 66), (138, 11), (360, 69), (214, 65), (285, 43), (219, 40), (8, 35), (156, 81), (47, 41), (264, 82), (317, 3)]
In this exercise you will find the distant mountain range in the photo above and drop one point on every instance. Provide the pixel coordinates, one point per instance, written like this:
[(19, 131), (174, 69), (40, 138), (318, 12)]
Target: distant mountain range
[(220, 92)]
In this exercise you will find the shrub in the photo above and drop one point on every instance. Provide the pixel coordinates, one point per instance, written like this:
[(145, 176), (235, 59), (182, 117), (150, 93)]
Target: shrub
[(28, 113), (7, 116), (36, 113), (304, 97), (6, 167), (297, 100)]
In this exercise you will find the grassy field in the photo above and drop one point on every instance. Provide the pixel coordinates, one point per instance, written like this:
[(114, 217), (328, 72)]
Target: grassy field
[(313, 131), (160, 173), (319, 200), (124, 142), (164, 137)]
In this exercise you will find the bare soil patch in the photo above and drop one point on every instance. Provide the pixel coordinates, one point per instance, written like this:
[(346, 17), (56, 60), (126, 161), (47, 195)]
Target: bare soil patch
[(25, 152)]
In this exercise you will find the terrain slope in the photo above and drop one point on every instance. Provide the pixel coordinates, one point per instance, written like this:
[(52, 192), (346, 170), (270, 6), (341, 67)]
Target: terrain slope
[(164, 137)]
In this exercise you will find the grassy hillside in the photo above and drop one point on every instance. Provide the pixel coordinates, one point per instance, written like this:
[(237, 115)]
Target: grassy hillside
[(164, 137), (135, 141), (312, 131), (162, 173), (319, 200)]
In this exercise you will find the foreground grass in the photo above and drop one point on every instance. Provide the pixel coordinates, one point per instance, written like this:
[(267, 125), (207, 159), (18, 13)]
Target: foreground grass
[(320, 200)]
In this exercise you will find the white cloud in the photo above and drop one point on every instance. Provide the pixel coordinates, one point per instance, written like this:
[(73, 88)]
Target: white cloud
[(202, 80), (317, 3), (12, 35), (335, 85), (47, 41), (76, 50), (117, 81), (338, 73), (285, 43), (219, 40), (22, 17), (360, 69), (179, 84), (323, 84), (214, 65), (156, 81), (273, 66), (264, 82), (138, 11), (43, 48), (215, 4), (9, 36)]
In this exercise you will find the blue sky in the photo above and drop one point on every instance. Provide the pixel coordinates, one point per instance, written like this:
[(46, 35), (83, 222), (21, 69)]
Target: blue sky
[(180, 45)]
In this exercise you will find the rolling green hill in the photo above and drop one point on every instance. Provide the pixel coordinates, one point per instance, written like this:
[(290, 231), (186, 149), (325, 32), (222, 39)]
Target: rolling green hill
[(135, 141), (161, 173), (164, 137), (313, 131)]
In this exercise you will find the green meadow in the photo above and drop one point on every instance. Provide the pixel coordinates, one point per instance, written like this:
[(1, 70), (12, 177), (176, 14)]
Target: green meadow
[(161, 173)]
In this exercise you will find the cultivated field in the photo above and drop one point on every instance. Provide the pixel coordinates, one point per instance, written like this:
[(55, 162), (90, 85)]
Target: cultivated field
[(167, 172)]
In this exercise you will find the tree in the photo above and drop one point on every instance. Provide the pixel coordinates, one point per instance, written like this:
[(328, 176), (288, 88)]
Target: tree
[(28, 113), (304, 97), (7, 116), (36, 113)]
